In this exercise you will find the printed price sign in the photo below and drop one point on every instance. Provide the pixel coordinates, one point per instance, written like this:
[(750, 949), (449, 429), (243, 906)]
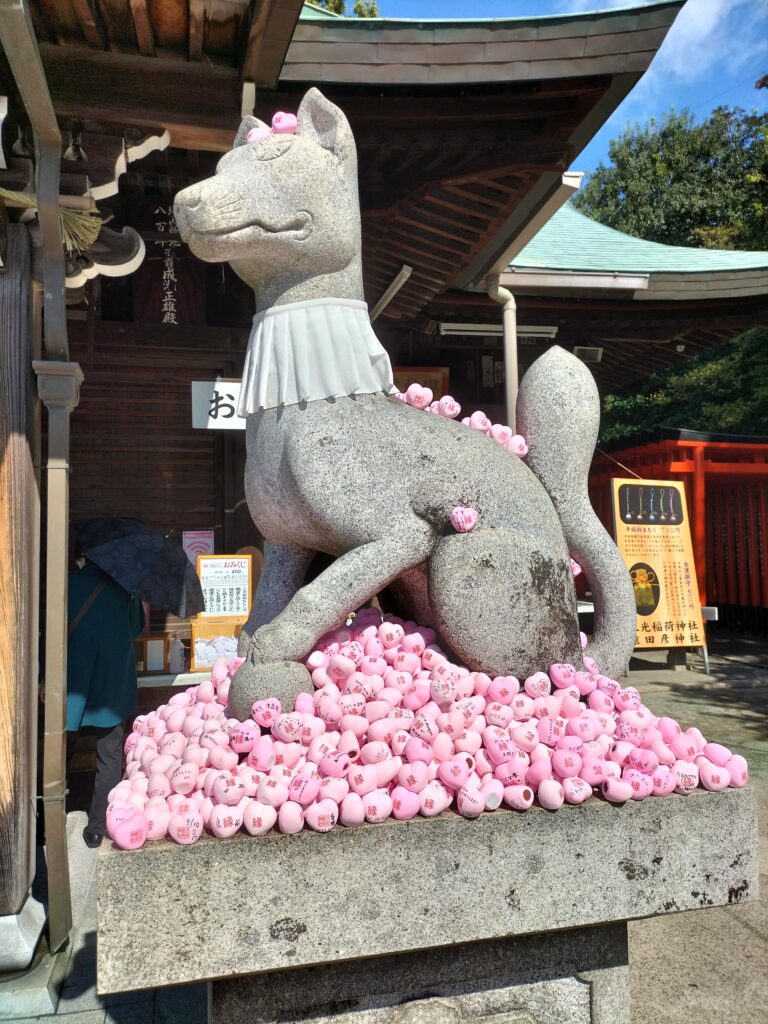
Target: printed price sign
[(653, 535), (226, 583)]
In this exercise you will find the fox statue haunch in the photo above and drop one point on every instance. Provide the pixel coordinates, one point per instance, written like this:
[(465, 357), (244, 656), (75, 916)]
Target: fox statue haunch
[(335, 464)]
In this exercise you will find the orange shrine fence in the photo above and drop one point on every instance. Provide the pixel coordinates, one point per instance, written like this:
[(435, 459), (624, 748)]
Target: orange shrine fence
[(726, 484)]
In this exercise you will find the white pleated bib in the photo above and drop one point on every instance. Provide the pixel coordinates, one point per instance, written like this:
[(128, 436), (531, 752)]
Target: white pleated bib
[(305, 351)]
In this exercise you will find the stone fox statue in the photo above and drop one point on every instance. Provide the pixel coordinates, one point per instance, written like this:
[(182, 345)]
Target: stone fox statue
[(336, 464)]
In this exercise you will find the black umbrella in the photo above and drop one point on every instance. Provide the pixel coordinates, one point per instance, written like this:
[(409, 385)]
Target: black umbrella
[(143, 561)]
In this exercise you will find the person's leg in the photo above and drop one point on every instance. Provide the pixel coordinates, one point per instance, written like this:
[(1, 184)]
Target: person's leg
[(109, 760)]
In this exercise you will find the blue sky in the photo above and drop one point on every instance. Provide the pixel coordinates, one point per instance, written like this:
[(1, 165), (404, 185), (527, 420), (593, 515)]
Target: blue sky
[(712, 55)]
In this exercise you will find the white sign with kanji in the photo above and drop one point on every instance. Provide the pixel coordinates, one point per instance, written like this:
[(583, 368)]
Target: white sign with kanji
[(214, 405), (226, 584)]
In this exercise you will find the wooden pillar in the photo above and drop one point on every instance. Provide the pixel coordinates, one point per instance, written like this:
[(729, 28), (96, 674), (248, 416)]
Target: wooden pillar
[(19, 555), (700, 520)]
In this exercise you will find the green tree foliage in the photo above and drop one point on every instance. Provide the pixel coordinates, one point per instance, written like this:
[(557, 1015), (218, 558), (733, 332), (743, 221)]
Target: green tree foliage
[(683, 183), (724, 390), (360, 8)]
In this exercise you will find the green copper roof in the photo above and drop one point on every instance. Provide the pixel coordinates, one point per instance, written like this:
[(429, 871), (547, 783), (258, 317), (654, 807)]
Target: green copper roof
[(571, 241), (622, 17)]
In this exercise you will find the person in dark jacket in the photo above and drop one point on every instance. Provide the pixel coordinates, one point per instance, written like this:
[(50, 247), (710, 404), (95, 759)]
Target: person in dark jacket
[(102, 688)]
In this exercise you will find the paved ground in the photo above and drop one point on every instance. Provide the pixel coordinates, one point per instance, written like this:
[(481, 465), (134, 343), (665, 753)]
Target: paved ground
[(705, 967)]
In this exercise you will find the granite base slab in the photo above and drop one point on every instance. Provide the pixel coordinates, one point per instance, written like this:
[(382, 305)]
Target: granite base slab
[(579, 976), (20, 934), (169, 914)]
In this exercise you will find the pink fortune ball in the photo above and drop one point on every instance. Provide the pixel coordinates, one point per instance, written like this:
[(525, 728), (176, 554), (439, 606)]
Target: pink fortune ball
[(225, 760), (562, 674), (272, 792), (158, 816), (714, 777), (470, 802), (449, 407), (492, 792), (184, 779), (304, 788), (227, 789), (334, 789), (258, 818), (186, 829), (363, 779), (617, 791), (290, 818), (117, 813), (738, 770), (463, 518), (687, 776), (454, 773), (224, 821), (378, 806), (322, 816), (550, 794), (418, 396), (517, 445), (405, 803), (518, 797), (576, 790), (131, 834), (642, 785), (352, 811), (717, 754), (256, 134)]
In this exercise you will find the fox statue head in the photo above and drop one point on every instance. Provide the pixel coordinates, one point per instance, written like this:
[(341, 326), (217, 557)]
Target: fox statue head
[(283, 209)]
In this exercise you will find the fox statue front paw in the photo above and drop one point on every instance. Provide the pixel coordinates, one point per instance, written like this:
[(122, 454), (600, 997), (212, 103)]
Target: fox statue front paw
[(282, 679)]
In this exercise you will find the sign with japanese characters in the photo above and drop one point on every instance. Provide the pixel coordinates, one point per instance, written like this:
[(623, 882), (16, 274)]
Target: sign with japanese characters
[(214, 405), (653, 535), (226, 583)]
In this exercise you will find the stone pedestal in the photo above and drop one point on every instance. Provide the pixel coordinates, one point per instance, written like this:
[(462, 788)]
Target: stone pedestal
[(579, 976), (510, 919)]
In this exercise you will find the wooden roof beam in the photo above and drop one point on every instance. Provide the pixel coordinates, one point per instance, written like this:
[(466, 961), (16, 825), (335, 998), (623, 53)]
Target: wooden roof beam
[(196, 28), (142, 23), (91, 24)]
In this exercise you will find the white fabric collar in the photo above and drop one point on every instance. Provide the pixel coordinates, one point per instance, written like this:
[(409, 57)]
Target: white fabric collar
[(305, 351)]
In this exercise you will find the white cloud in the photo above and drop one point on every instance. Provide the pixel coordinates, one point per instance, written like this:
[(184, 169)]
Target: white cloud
[(708, 34)]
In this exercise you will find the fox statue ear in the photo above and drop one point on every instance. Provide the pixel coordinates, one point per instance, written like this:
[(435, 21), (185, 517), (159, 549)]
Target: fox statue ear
[(246, 125), (323, 123)]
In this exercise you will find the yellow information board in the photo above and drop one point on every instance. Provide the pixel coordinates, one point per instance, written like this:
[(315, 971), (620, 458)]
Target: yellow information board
[(653, 534)]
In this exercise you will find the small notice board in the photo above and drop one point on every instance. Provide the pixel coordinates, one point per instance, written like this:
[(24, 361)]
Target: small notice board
[(227, 584), (653, 535)]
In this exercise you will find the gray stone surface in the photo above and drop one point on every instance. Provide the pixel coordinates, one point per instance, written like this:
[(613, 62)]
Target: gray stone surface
[(557, 402), (284, 212), (580, 976), (170, 914), (19, 935)]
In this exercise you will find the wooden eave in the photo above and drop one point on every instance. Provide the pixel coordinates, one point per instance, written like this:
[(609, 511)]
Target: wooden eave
[(463, 128)]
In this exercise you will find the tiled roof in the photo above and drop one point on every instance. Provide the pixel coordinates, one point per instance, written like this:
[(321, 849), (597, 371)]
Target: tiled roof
[(571, 241)]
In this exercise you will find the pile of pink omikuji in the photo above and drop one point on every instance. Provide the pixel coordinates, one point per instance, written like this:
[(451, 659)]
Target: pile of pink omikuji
[(422, 398), (394, 729)]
